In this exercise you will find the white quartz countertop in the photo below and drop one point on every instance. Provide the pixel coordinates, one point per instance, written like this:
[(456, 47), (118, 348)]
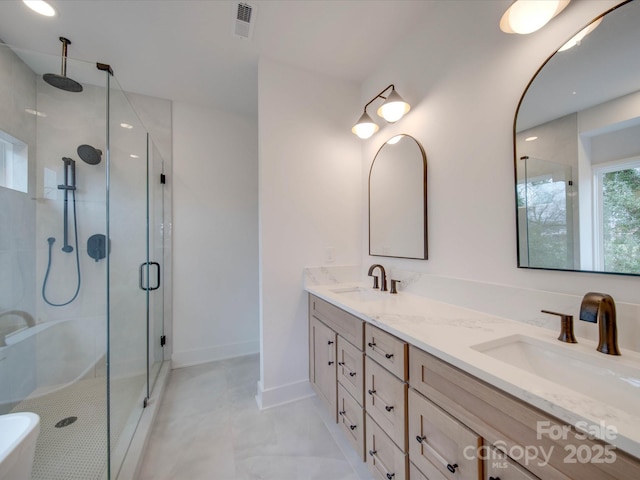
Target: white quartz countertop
[(450, 332)]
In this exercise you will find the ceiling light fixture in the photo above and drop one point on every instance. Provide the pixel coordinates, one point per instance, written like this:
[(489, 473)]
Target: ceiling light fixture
[(41, 7), (578, 37), (392, 110), (530, 139), (527, 16), (126, 125)]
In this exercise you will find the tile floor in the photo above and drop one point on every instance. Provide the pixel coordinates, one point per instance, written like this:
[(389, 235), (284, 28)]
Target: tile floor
[(209, 427)]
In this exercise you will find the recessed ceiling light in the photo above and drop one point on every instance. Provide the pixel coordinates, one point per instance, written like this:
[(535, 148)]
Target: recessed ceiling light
[(126, 125), (133, 155), (530, 139), (41, 7)]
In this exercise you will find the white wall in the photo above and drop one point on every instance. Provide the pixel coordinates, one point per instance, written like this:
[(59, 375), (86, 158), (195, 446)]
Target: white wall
[(310, 200), (464, 95), (215, 233)]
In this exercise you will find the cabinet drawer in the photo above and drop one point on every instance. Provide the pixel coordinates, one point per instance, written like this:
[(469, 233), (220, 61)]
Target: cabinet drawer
[(351, 419), (387, 350), (322, 363), (415, 474), (499, 466), (343, 323), (386, 401), (351, 369), (439, 443), (384, 459)]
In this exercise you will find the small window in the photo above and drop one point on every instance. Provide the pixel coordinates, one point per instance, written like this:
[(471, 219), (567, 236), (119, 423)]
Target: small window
[(617, 216), (14, 171)]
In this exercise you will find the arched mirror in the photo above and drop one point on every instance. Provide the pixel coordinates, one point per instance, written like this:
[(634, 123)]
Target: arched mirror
[(398, 200), (577, 153)]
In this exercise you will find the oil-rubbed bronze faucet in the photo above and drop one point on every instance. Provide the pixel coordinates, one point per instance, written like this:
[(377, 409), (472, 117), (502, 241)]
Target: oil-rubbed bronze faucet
[(566, 327), (383, 277), (600, 308)]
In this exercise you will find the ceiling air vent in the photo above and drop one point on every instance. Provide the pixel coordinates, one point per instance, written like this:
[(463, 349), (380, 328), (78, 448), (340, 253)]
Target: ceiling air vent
[(244, 19)]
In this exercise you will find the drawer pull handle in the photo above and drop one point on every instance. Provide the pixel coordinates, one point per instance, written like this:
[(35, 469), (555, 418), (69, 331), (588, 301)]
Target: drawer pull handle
[(389, 475), (342, 413), (353, 427), (330, 342), (388, 408), (423, 441), (341, 363), (330, 363), (371, 392), (372, 345), (352, 374)]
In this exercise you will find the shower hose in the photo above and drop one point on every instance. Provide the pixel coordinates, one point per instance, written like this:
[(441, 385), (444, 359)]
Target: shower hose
[(51, 240)]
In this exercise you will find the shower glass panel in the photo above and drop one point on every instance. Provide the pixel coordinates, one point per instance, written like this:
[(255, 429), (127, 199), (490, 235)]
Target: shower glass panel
[(545, 204), (127, 202), (157, 206), (82, 243)]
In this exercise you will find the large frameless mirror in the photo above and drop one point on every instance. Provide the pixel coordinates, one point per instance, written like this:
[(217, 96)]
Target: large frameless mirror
[(398, 200), (577, 153)]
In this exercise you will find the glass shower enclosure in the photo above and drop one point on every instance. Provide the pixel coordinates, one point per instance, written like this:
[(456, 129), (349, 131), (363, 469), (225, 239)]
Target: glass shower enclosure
[(82, 247)]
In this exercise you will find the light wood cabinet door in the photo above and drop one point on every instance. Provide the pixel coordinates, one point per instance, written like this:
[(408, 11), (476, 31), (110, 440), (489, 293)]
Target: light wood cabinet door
[(387, 350), (439, 445), (351, 369), (322, 363), (384, 459), (500, 467), (343, 323), (416, 474), (351, 419), (386, 401)]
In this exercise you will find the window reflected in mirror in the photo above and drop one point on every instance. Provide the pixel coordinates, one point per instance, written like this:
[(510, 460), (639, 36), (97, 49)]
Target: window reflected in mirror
[(577, 153)]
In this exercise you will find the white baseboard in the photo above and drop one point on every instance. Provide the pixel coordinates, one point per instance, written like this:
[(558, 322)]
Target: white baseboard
[(272, 397), (211, 354)]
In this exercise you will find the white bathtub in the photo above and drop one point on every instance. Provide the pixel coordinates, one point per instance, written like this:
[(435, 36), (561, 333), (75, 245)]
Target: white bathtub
[(18, 435), (48, 356)]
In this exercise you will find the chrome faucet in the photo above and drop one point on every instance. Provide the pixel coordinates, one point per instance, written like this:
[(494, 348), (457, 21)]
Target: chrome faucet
[(600, 308), (383, 277)]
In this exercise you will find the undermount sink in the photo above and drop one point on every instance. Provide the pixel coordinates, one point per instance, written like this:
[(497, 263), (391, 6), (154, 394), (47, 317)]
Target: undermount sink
[(360, 294), (613, 380), (18, 435)]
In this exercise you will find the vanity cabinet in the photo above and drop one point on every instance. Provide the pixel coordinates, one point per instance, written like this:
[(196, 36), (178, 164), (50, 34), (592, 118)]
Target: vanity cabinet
[(336, 366), (322, 364), (411, 414), (517, 427), (386, 368), (438, 443)]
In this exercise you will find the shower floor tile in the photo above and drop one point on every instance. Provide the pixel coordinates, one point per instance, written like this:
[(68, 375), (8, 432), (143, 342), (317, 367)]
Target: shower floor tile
[(78, 451), (209, 427)]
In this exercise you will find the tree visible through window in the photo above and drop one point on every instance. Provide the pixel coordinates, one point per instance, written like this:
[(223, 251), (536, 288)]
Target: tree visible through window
[(621, 219)]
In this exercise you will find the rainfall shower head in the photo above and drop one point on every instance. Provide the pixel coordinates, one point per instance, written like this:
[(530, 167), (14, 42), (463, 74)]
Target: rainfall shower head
[(62, 81), (91, 155)]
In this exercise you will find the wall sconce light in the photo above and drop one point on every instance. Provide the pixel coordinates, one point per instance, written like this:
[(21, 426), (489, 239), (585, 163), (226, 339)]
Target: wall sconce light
[(392, 110), (527, 16)]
